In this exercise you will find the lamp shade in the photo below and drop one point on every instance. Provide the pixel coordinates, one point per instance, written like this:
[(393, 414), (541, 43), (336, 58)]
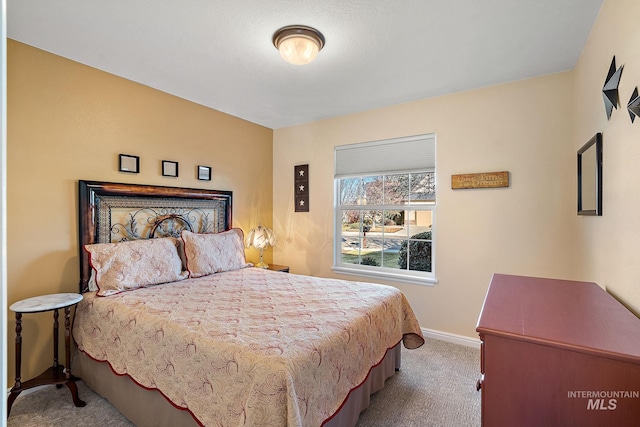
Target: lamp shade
[(298, 44), (260, 238)]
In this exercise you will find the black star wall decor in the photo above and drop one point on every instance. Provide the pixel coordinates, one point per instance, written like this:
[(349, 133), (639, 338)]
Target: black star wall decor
[(610, 88), (301, 187), (634, 105)]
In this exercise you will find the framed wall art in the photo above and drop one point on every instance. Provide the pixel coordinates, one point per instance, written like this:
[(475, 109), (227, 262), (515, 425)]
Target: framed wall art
[(129, 163), (204, 173), (590, 177), (169, 168), (301, 187)]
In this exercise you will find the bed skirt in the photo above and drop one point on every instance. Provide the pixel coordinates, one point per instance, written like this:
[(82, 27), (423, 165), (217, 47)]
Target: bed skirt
[(149, 408)]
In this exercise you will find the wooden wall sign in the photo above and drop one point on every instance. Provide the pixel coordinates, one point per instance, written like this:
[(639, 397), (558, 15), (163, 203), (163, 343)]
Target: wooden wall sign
[(301, 183), (480, 180)]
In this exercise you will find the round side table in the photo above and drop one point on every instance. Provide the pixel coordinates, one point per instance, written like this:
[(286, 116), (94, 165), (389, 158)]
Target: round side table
[(56, 374)]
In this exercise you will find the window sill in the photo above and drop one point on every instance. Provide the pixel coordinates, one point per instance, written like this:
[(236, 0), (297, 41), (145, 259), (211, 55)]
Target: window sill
[(404, 278)]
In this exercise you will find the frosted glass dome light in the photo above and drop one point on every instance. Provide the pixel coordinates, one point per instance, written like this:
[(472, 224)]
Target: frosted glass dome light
[(298, 44)]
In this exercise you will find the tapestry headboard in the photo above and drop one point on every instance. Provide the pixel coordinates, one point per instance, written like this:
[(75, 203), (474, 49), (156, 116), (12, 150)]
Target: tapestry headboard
[(112, 212)]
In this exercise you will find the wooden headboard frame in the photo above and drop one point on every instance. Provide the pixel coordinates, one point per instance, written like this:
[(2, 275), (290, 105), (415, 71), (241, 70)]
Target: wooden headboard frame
[(178, 203)]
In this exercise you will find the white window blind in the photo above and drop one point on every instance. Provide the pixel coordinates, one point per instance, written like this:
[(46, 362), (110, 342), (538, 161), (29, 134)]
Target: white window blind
[(397, 155)]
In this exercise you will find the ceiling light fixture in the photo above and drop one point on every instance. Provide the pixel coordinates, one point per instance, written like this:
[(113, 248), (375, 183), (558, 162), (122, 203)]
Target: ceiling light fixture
[(298, 44)]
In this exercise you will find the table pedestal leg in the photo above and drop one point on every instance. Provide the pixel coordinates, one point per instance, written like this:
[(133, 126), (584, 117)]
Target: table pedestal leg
[(17, 388), (71, 380)]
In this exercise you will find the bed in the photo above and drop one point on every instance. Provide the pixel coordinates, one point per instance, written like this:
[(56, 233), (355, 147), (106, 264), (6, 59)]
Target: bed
[(191, 334)]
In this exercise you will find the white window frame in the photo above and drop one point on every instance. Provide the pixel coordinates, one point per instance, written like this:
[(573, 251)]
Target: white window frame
[(380, 272)]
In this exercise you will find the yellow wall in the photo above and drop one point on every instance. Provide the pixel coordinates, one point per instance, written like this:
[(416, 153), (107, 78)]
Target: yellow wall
[(67, 122), (523, 127), (609, 246)]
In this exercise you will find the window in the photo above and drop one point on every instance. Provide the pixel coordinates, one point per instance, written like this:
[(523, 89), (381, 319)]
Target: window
[(385, 209)]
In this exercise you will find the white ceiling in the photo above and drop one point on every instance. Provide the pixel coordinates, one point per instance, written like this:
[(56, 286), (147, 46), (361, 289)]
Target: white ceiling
[(378, 52)]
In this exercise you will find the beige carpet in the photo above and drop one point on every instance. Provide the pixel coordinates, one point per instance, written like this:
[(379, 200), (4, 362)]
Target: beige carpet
[(435, 387)]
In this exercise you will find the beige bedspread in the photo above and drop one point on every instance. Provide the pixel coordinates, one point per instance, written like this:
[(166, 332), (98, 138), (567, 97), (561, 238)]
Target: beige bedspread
[(251, 346)]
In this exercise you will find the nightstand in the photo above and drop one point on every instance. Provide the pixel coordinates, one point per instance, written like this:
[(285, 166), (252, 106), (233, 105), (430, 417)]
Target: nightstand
[(276, 267), (56, 374)]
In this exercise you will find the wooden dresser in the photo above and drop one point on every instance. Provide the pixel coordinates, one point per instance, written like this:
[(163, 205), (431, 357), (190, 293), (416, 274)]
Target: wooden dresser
[(557, 353)]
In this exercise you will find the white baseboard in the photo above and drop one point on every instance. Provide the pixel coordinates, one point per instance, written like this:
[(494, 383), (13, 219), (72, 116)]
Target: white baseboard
[(452, 338)]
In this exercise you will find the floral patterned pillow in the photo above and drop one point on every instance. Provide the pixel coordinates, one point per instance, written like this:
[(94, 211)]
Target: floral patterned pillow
[(214, 253), (134, 264)]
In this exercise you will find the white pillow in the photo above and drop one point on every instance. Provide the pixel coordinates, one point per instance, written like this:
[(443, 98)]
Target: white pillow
[(134, 264), (214, 253)]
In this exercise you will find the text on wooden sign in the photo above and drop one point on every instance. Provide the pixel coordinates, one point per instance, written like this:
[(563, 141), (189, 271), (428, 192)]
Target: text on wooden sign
[(480, 180)]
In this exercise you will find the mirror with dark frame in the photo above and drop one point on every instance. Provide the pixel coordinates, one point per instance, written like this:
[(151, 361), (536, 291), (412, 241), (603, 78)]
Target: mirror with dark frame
[(590, 177)]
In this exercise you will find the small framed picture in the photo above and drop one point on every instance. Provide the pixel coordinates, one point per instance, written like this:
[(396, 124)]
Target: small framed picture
[(204, 173), (129, 163), (169, 168)]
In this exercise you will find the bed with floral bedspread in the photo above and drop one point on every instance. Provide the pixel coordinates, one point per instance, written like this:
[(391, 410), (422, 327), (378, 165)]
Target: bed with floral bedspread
[(250, 346)]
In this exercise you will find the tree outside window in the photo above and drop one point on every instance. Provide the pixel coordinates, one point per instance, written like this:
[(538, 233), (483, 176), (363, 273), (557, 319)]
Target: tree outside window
[(386, 221)]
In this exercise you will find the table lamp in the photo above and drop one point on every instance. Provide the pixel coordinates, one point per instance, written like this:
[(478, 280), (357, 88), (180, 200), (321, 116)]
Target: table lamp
[(260, 238)]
